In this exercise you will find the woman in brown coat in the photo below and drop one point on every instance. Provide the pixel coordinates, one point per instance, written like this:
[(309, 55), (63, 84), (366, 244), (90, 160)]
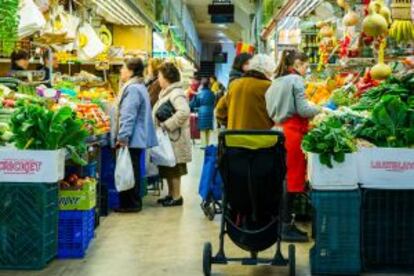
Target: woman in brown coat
[(244, 105), (153, 84), (178, 129)]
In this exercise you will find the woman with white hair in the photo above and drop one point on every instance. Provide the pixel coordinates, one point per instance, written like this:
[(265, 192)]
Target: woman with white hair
[(244, 105)]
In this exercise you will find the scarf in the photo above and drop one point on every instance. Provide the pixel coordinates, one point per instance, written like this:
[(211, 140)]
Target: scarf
[(256, 74)]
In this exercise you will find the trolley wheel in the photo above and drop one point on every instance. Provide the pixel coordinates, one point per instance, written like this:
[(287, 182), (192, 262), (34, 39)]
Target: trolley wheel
[(207, 255), (211, 213), (292, 260)]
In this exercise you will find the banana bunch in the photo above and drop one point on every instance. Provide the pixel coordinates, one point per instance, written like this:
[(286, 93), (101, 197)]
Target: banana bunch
[(402, 30)]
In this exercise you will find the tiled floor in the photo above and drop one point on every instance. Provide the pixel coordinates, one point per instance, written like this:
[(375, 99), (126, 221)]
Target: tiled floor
[(160, 241)]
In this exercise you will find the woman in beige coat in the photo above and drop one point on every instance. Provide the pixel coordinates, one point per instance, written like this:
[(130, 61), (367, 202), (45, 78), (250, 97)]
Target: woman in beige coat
[(178, 129)]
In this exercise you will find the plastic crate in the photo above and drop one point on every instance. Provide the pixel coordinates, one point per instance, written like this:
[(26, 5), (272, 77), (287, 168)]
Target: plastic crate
[(107, 167), (113, 199), (388, 230), (28, 225), (90, 170), (83, 199), (76, 230), (337, 233)]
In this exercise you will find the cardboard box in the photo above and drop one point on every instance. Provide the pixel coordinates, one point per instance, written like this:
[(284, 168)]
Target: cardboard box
[(386, 168), (343, 176), (32, 166)]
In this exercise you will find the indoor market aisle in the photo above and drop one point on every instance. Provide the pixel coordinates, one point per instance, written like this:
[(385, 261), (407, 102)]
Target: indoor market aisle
[(161, 241)]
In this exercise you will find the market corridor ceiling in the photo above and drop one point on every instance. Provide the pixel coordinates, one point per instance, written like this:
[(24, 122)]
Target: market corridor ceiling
[(221, 33)]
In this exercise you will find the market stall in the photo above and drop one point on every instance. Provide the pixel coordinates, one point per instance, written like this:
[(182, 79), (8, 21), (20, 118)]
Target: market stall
[(360, 154), (55, 102)]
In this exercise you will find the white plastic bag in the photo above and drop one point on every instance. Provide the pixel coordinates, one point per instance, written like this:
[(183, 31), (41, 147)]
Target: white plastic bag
[(31, 19), (150, 168), (163, 154), (89, 44), (124, 171)]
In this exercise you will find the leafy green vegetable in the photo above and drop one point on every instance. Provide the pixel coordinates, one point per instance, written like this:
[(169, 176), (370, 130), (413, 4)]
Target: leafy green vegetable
[(391, 124), (331, 140), (35, 127), (402, 87), (344, 96)]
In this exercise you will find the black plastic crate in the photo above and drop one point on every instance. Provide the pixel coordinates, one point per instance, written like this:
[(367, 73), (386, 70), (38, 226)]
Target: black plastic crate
[(337, 233), (388, 230)]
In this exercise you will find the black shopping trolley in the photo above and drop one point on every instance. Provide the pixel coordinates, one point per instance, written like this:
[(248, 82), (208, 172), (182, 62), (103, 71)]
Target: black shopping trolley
[(252, 164)]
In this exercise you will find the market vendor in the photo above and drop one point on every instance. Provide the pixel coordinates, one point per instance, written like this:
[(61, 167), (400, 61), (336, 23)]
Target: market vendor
[(287, 106), (46, 67), (19, 61)]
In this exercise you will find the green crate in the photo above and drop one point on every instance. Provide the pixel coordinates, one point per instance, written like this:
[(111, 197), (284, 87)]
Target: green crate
[(83, 199), (28, 225)]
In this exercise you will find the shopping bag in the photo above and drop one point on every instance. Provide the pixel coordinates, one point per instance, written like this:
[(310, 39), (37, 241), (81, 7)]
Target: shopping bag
[(163, 154), (88, 43), (31, 19), (210, 181), (124, 171), (150, 168)]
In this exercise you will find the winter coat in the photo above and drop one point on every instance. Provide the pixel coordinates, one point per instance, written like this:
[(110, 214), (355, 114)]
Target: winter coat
[(178, 126), (204, 103), (244, 105), (234, 75), (136, 127)]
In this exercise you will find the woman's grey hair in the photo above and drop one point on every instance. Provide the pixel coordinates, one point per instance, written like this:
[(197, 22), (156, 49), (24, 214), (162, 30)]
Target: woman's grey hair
[(262, 63)]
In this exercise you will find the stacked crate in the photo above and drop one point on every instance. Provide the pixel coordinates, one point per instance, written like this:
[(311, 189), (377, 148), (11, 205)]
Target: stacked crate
[(387, 224), (336, 200), (77, 214)]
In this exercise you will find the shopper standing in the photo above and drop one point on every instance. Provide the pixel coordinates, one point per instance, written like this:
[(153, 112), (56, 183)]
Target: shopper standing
[(204, 102), (244, 105), (287, 105), (178, 129), (153, 83), (240, 66), (134, 127), (215, 85)]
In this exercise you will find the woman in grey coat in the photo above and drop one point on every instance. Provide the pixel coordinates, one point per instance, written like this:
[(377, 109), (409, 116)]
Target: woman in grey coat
[(134, 127)]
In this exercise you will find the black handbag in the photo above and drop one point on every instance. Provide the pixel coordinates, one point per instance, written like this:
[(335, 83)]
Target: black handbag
[(165, 111)]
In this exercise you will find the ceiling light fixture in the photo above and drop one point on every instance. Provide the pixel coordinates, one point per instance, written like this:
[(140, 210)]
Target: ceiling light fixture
[(113, 13), (120, 12)]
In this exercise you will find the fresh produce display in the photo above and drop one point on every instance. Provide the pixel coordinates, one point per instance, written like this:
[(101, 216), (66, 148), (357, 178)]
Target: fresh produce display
[(35, 127), (74, 182), (97, 121), (376, 24), (345, 96), (9, 25), (402, 30), (317, 92), (331, 140), (401, 86), (391, 123), (5, 133), (96, 93)]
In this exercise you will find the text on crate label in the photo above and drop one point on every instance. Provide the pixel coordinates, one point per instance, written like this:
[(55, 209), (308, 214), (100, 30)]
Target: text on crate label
[(14, 166), (69, 200), (395, 166)]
